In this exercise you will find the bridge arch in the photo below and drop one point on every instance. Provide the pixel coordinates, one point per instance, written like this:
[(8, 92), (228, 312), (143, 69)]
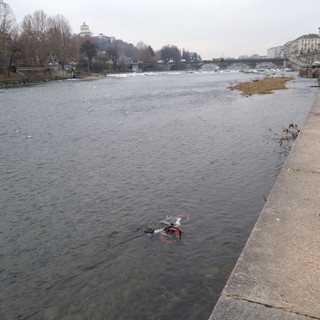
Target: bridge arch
[(237, 66), (178, 67), (267, 65), (208, 66)]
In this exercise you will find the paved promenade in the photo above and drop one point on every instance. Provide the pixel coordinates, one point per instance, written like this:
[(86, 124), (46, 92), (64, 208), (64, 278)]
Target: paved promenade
[(278, 273)]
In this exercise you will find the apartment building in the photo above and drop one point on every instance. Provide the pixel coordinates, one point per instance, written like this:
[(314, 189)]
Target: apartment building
[(307, 43)]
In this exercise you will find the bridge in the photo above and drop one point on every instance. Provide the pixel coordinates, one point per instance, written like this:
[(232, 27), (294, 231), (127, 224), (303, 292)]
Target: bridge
[(215, 64)]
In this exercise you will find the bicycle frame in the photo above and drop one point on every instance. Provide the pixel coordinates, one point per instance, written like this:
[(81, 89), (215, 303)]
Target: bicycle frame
[(170, 234)]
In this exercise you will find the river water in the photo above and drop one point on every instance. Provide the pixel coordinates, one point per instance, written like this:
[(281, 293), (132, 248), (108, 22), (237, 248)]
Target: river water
[(86, 164)]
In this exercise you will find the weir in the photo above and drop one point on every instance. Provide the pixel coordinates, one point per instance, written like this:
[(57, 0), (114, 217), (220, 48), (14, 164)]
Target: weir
[(277, 275)]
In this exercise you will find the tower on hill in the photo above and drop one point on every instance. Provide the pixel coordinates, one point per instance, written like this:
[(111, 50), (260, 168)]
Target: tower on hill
[(85, 31)]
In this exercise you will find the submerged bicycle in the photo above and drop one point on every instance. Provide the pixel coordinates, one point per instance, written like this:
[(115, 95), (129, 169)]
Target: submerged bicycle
[(171, 233)]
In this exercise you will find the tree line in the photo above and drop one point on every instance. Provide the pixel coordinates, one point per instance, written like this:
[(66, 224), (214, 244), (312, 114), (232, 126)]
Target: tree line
[(42, 40)]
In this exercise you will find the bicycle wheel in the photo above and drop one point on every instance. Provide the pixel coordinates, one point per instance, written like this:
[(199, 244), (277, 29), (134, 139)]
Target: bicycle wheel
[(170, 235), (183, 217)]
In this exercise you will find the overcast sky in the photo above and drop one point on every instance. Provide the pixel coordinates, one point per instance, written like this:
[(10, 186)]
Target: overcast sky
[(212, 28)]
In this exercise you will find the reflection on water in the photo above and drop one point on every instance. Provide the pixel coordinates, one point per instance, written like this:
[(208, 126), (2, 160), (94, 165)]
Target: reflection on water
[(85, 165)]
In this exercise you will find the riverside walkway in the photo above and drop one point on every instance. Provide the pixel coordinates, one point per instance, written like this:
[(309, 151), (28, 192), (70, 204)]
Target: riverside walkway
[(278, 273)]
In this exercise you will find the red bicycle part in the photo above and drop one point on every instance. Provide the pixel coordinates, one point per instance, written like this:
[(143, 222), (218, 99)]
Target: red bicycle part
[(170, 235)]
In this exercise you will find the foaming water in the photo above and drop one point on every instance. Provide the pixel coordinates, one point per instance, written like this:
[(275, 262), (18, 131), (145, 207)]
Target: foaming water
[(85, 165)]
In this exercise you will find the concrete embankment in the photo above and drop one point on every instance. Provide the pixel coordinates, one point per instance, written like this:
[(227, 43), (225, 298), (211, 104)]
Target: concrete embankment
[(278, 273)]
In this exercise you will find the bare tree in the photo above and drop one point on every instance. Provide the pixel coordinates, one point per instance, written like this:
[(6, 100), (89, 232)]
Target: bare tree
[(115, 53), (144, 52), (8, 34), (34, 38), (60, 39), (170, 52), (89, 49), (76, 42), (186, 55)]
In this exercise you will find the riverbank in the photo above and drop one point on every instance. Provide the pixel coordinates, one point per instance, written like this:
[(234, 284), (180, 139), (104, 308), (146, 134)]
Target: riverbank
[(278, 273), (13, 79), (264, 86), (29, 76)]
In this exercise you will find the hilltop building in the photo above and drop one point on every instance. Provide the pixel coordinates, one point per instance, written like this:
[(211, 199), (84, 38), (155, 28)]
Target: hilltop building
[(85, 31), (101, 36)]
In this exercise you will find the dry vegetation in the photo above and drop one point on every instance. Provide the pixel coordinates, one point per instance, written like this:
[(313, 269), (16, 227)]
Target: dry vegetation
[(264, 86), (12, 79), (285, 138)]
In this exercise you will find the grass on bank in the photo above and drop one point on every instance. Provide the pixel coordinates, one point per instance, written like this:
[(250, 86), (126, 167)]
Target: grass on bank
[(264, 86), (12, 77)]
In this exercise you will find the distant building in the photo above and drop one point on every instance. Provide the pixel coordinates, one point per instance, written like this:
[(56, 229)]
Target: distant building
[(286, 51), (274, 52), (104, 43), (307, 43), (254, 56), (101, 36), (85, 31)]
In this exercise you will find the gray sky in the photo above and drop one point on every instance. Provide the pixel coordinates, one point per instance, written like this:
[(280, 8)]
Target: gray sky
[(212, 28)]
